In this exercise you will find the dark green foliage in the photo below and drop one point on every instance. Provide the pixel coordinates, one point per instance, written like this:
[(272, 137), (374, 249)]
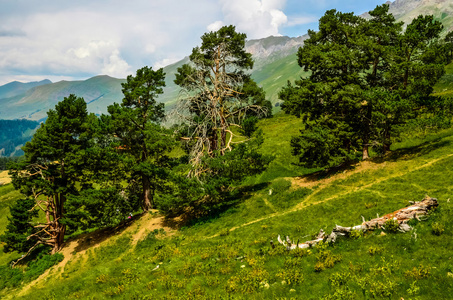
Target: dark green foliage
[(219, 98), (249, 126), (13, 277), (367, 78), (41, 264), (19, 227), (217, 189), (54, 165), (138, 135), (94, 208), (219, 95)]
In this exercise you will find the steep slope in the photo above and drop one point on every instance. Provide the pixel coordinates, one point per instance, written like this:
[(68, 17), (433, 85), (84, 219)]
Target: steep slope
[(230, 256)]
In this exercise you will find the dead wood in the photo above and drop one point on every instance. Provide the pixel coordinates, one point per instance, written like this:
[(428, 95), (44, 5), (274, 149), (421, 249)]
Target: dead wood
[(402, 216)]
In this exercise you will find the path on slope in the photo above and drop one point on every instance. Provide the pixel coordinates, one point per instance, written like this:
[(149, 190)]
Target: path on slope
[(324, 183), (75, 249)]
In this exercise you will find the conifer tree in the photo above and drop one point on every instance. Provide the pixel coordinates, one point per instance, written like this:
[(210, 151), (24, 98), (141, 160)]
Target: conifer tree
[(366, 78), (53, 167), (135, 124), (218, 95), (19, 226)]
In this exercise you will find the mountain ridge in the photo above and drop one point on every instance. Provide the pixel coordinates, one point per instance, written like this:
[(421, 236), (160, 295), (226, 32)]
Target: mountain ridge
[(275, 64)]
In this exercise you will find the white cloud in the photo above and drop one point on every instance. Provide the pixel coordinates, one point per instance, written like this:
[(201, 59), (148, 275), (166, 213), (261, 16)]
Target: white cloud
[(215, 26), (115, 66), (80, 39), (257, 18), (165, 62)]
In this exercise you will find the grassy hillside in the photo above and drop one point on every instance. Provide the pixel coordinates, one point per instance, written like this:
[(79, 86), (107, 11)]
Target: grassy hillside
[(16, 88), (229, 256)]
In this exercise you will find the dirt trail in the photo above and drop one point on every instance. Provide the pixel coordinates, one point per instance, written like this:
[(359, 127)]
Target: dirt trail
[(147, 223), (323, 183), (4, 178), (74, 250)]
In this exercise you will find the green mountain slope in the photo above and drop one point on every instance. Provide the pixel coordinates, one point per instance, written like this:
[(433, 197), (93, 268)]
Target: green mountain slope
[(230, 256), (406, 10), (16, 88), (98, 92)]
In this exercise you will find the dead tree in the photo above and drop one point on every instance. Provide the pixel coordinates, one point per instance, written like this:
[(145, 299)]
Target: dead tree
[(401, 216)]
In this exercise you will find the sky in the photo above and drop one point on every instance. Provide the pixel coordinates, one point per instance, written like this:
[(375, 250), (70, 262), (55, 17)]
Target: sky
[(79, 39)]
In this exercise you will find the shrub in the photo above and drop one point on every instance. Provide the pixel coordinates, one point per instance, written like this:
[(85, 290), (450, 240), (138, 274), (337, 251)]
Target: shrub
[(291, 275), (37, 267), (373, 250), (391, 225), (437, 228)]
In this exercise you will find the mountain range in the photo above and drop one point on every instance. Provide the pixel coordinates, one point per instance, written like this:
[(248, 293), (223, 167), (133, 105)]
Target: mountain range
[(275, 64)]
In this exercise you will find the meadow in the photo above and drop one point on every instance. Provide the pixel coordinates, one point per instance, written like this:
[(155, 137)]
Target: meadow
[(230, 256)]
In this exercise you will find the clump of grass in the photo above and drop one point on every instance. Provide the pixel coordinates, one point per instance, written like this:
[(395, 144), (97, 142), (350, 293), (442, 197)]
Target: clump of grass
[(419, 272), (437, 228), (391, 225)]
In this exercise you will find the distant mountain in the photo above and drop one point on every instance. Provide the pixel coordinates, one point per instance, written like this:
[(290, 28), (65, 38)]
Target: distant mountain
[(16, 88), (407, 10), (98, 92), (275, 64)]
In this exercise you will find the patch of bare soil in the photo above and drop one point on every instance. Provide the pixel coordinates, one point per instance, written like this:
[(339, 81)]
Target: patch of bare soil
[(139, 226), (323, 178), (4, 177)]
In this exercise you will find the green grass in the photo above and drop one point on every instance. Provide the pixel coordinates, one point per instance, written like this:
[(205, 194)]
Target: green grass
[(444, 86), (230, 256), (7, 197)]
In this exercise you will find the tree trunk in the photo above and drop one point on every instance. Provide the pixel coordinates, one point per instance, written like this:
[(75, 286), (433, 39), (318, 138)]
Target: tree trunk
[(386, 142), (365, 153), (147, 196), (58, 230), (367, 131)]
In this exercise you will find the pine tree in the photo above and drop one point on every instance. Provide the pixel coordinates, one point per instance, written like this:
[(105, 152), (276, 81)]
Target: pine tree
[(53, 167), (218, 95), (366, 77), (138, 134), (19, 226)]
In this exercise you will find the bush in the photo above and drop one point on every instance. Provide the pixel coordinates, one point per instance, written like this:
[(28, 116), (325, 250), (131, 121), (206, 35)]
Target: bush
[(437, 228), (39, 266), (391, 225)]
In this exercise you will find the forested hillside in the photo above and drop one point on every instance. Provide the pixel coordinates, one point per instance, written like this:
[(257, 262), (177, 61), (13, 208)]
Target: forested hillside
[(14, 134)]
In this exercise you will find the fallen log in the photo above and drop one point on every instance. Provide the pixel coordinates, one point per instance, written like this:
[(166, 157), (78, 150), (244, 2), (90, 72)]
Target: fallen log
[(401, 216)]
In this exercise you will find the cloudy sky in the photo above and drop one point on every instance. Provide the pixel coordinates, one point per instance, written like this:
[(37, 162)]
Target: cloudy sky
[(71, 40)]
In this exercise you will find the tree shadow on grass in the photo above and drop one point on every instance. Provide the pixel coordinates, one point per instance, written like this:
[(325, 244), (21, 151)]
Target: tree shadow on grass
[(412, 152), (407, 153), (91, 239), (198, 214), (329, 172)]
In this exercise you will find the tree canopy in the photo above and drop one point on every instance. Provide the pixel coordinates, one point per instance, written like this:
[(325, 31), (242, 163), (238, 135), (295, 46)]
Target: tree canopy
[(53, 167), (366, 77), (217, 94), (135, 125)]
